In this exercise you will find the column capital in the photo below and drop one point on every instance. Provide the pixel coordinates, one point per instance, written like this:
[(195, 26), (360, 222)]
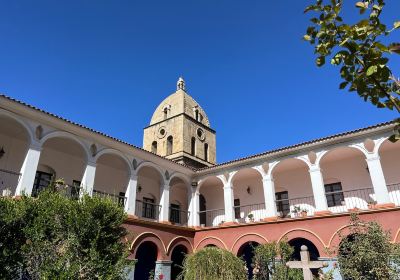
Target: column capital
[(315, 168), (134, 177), (373, 157), (36, 146), (267, 178)]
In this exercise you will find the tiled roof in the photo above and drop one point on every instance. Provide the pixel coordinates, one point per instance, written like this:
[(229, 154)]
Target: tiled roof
[(389, 123), (90, 129), (339, 135)]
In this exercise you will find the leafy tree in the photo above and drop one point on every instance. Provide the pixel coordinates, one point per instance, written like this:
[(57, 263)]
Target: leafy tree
[(270, 262), (367, 253), (12, 237), (213, 264), (61, 238), (359, 49)]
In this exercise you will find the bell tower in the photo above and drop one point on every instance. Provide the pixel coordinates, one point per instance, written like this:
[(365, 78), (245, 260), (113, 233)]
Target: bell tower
[(180, 130)]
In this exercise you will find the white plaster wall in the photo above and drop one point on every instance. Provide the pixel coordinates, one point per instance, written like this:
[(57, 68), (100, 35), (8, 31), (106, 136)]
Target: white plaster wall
[(12, 160), (110, 180), (390, 160), (296, 181), (66, 166), (256, 196), (179, 194), (214, 195)]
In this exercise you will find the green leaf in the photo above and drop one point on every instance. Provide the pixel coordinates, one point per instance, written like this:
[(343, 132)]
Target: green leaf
[(372, 70), (343, 85), (320, 61)]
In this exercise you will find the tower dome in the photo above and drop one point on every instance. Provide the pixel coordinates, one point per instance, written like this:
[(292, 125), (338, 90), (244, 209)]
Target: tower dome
[(180, 102), (180, 130)]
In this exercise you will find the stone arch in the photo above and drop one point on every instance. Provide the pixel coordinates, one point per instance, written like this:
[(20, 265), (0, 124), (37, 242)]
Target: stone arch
[(67, 155), (305, 234), (179, 240), (116, 153), (152, 237), (246, 238), (211, 210), (182, 177), (150, 165), (357, 147), (334, 241), (113, 171), (211, 241), (66, 135), (389, 154), (21, 122)]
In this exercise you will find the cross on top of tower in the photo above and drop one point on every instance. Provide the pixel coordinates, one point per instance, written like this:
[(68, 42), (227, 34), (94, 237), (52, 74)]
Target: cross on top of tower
[(180, 85)]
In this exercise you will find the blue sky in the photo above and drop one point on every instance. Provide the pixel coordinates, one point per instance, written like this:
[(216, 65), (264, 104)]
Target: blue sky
[(108, 64)]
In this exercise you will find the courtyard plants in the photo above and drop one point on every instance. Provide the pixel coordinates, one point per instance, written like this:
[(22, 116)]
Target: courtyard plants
[(55, 237)]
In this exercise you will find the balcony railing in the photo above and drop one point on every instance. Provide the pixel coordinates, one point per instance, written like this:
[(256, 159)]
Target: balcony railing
[(177, 216), (343, 201), (118, 199), (394, 193), (70, 191), (212, 218), (8, 182), (250, 213), (296, 207), (147, 210)]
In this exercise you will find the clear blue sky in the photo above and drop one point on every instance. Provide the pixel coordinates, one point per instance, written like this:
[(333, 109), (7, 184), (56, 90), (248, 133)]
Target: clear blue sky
[(108, 64)]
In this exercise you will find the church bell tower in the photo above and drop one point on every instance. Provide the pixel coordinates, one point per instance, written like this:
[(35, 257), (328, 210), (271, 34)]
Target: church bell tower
[(180, 130)]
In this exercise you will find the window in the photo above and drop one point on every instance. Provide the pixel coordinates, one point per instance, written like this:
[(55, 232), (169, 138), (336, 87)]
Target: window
[(206, 152), (334, 194), (76, 186), (193, 147), (149, 208), (236, 204), (175, 213), (154, 147), (170, 143), (121, 199), (197, 115), (165, 113), (282, 203), (42, 181)]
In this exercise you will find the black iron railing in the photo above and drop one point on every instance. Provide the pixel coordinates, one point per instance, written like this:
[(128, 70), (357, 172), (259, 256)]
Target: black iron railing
[(250, 213), (394, 193), (296, 207), (147, 210), (118, 199), (178, 216), (210, 218), (343, 201)]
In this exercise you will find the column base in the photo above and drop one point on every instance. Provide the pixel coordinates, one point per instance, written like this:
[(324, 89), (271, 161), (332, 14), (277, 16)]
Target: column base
[(271, 219), (322, 213)]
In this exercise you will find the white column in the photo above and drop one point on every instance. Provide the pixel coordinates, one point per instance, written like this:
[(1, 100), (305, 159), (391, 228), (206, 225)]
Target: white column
[(87, 183), (318, 188), (28, 171), (130, 203), (229, 203), (269, 196), (378, 179), (163, 268), (194, 208), (164, 202)]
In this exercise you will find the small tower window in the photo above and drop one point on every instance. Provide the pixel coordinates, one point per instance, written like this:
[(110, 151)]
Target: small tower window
[(206, 152), (170, 144), (154, 147), (197, 115), (193, 146), (165, 113)]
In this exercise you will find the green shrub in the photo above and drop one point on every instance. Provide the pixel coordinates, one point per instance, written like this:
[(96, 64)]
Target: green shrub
[(213, 264)]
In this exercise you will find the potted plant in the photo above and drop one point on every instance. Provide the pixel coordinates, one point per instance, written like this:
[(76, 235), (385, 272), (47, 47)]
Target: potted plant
[(251, 217), (372, 204), (298, 211), (303, 212)]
